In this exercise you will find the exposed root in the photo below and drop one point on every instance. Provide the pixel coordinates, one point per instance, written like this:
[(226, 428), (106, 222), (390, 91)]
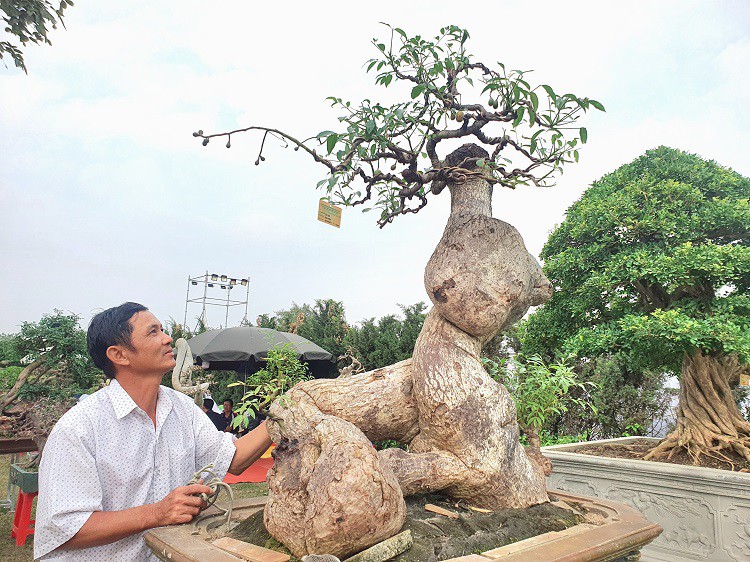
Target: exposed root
[(708, 421)]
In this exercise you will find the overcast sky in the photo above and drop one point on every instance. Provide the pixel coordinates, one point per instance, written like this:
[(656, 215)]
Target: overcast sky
[(107, 197)]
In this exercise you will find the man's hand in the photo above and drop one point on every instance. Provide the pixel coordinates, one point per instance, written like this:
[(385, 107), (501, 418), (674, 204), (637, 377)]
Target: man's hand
[(104, 527), (181, 505)]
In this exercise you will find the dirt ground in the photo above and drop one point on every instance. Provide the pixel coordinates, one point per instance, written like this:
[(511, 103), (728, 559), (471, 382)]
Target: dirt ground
[(638, 450), (9, 552), (437, 537)]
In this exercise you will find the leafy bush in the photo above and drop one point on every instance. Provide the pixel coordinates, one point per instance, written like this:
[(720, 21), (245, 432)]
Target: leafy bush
[(9, 376), (282, 371), (625, 397), (542, 392)]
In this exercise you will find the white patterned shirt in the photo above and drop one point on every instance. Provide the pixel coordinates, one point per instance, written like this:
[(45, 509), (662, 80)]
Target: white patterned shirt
[(105, 455)]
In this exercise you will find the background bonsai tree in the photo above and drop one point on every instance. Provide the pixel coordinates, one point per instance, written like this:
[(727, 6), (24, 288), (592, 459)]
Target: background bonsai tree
[(49, 366), (330, 491), (653, 263)]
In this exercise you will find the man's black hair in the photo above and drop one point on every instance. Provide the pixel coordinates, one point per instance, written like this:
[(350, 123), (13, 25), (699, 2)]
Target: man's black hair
[(111, 327), (231, 402), (208, 404)]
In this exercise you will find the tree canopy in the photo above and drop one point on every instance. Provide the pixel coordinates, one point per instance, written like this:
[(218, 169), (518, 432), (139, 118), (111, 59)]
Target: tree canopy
[(374, 343), (389, 340), (653, 261), (54, 358), (386, 157), (29, 21), (323, 323)]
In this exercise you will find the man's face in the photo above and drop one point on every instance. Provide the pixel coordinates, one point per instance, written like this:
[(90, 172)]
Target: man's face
[(152, 350), (227, 407)]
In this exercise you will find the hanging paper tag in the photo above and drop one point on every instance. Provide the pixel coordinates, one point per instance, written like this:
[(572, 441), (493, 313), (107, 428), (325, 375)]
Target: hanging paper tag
[(329, 214), (744, 380)]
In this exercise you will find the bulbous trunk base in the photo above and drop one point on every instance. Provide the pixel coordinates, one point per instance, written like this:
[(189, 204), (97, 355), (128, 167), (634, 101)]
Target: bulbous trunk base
[(330, 492)]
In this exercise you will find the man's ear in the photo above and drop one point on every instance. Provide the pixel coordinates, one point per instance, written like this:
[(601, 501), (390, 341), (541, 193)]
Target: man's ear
[(117, 355)]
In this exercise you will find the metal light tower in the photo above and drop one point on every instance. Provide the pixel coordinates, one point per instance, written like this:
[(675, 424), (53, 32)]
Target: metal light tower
[(218, 282)]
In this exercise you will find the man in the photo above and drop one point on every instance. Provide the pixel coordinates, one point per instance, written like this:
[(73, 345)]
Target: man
[(116, 465), (216, 418), (228, 415)]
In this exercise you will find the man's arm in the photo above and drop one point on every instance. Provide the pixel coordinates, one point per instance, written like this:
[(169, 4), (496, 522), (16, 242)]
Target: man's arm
[(104, 527), (249, 449)]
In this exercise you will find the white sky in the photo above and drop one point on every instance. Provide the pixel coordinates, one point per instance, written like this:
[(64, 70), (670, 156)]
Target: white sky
[(105, 196)]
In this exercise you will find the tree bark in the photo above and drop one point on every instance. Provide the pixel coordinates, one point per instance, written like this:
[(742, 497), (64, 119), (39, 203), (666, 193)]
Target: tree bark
[(329, 491), (708, 420), (9, 397)]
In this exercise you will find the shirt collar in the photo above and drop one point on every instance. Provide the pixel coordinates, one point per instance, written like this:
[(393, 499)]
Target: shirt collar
[(163, 407), (123, 404)]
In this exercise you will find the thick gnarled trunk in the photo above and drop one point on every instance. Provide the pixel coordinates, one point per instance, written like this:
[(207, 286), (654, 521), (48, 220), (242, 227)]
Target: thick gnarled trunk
[(329, 491), (708, 421)]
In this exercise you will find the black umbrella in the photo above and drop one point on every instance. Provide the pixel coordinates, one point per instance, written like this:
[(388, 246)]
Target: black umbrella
[(246, 347)]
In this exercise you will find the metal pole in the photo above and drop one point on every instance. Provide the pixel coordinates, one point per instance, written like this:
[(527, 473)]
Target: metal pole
[(205, 289), (187, 298), (247, 298), (226, 319)]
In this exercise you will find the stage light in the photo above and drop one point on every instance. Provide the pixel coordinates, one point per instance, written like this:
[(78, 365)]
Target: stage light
[(223, 278), (210, 284), (214, 277), (194, 282), (243, 282)]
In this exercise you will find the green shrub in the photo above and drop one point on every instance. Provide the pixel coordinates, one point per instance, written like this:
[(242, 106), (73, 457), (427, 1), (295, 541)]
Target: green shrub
[(282, 371), (9, 376), (541, 391)]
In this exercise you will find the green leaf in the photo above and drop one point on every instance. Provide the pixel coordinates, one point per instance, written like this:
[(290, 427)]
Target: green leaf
[(550, 91), (597, 105), (331, 142), (417, 90), (584, 136), (534, 100), (519, 117), (533, 140)]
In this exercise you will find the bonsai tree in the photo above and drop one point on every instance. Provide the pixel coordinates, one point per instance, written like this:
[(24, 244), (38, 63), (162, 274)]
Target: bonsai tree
[(330, 490), (653, 263), (55, 367)]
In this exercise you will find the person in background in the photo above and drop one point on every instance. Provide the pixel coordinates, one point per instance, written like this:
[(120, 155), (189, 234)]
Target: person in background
[(228, 415), (216, 418)]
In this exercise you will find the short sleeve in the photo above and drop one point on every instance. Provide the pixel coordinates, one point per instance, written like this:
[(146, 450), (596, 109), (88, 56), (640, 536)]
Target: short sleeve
[(69, 489), (211, 445)]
